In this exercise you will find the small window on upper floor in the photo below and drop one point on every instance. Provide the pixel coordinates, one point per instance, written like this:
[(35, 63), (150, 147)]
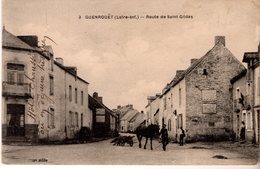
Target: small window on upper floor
[(51, 85), (70, 93)]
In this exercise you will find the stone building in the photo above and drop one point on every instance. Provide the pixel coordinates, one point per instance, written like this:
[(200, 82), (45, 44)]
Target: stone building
[(41, 98), (198, 99)]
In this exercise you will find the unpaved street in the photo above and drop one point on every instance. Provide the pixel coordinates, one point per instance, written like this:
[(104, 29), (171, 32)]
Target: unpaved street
[(104, 152)]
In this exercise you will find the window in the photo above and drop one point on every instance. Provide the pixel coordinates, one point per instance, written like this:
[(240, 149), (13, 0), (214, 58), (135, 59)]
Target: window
[(164, 103), (76, 95), (71, 119), (211, 124), (81, 119), (180, 121), (169, 124), (77, 119), (205, 72), (51, 85), (15, 73), (51, 118), (237, 93), (248, 122), (82, 97), (179, 96), (70, 93), (248, 91)]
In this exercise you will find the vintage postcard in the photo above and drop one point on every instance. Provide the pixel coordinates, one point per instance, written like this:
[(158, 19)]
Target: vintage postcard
[(141, 82)]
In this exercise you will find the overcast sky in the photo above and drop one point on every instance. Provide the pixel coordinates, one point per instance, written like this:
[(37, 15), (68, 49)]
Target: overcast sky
[(127, 60)]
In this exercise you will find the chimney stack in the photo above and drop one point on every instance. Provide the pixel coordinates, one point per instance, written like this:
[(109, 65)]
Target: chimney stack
[(99, 99), (118, 107), (193, 61), (179, 72), (220, 39), (60, 61)]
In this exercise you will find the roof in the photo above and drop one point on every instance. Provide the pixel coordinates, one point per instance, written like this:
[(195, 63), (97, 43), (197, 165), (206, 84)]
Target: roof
[(93, 103), (177, 79), (239, 76), (129, 114), (11, 41), (250, 55), (135, 117)]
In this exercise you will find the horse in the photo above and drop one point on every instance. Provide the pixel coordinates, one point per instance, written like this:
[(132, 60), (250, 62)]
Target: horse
[(147, 132)]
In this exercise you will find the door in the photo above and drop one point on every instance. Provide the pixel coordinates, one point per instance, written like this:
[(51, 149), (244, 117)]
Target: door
[(15, 120)]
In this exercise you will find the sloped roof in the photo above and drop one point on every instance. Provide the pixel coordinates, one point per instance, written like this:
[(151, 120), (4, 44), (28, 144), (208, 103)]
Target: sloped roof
[(129, 114), (250, 55), (135, 117), (177, 79), (9, 40), (239, 76), (93, 103)]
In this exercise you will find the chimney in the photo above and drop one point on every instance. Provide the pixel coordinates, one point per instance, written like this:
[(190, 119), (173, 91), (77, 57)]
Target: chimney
[(220, 39), (71, 69), (130, 106), (95, 95), (151, 99), (60, 61), (193, 61), (142, 111), (179, 72), (118, 107), (31, 40), (99, 99)]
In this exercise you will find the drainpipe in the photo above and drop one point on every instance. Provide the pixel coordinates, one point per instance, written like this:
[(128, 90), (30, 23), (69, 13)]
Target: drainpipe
[(253, 102), (65, 107)]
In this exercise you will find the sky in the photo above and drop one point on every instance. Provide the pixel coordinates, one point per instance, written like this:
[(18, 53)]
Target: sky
[(126, 60)]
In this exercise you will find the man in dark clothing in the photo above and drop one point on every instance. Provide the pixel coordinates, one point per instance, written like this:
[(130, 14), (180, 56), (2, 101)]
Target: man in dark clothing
[(242, 132), (164, 137), (182, 135)]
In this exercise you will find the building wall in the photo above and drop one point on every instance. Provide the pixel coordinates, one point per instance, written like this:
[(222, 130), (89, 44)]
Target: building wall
[(240, 113), (257, 102), (175, 113), (38, 109), (203, 92)]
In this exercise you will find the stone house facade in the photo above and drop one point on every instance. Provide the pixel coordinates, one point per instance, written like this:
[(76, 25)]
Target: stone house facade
[(41, 98), (198, 99)]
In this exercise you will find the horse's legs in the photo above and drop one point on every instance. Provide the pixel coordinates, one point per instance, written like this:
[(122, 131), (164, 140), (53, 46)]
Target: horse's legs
[(151, 143), (146, 138), (140, 141)]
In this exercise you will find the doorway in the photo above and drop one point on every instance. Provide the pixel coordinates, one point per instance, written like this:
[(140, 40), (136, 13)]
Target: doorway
[(15, 120)]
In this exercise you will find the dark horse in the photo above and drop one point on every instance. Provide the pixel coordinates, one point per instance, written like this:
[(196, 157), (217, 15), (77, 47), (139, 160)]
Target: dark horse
[(147, 132)]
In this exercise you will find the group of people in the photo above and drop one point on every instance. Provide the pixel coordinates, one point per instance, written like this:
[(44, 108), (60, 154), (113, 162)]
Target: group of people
[(165, 139)]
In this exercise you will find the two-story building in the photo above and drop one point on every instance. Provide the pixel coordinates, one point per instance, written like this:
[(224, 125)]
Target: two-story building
[(104, 121), (41, 98)]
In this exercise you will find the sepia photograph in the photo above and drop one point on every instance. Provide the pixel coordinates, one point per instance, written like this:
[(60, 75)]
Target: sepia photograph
[(141, 82)]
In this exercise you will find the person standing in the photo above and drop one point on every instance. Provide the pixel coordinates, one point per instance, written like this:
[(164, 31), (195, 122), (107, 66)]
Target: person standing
[(164, 137), (242, 132), (182, 135)]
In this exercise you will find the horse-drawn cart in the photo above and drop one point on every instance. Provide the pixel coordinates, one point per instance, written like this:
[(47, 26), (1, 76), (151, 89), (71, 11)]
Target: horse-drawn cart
[(122, 140)]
